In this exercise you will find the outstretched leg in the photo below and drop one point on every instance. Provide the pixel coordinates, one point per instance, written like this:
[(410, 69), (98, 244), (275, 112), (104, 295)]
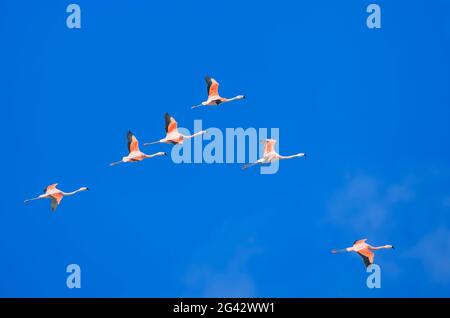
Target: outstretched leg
[(244, 167), (341, 250), (28, 200), (115, 163)]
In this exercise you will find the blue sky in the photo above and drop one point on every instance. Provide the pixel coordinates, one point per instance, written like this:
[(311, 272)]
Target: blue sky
[(370, 107)]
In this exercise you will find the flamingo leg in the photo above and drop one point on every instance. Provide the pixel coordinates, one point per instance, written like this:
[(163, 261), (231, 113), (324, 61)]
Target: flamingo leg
[(244, 167), (151, 143), (28, 200), (115, 163)]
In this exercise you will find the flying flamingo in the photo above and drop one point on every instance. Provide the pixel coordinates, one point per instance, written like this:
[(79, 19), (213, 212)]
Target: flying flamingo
[(134, 153), (55, 195), (214, 98), (270, 155), (364, 250), (172, 134)]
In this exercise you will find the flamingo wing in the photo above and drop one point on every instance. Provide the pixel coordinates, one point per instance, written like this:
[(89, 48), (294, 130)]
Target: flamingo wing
[(56, 199), (50, 187), (171, 124), (367, 256), (212, 87), (359, 241), (133, 144), (269, 145)]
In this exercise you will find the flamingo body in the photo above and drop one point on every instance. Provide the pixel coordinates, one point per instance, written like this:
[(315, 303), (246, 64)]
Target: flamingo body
[(55, 195), (214, 99), (270, 155), (173, 136), (364, 250), (134, 153)]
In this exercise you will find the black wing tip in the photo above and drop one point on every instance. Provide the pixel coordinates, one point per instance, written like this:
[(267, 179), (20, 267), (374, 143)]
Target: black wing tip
[(359, 240), (167, 116), (129, 138), (365, 259)]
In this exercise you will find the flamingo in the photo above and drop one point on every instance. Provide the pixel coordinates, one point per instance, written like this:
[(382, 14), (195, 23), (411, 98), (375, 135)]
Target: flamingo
[(364, 250), (172, 134), (134, 153), (214, 98), (55, 195), (270, 155)]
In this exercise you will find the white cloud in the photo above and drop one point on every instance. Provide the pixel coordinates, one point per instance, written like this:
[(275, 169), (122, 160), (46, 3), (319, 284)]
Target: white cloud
[(364, 204), (446, 202), (433, 250), (230, 280), (216, 283)]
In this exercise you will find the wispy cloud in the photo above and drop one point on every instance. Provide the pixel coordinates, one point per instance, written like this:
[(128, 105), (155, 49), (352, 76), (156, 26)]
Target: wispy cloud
[(446, 202), (230, 280), (365, 203), (433, 251)]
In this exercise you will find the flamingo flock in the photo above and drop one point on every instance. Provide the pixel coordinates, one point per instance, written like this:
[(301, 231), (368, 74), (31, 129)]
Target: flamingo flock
[(174, 137)]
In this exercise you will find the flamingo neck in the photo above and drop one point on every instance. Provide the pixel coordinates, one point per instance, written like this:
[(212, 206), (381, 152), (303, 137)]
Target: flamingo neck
[(293, 156), (381, 247), (73, 192), (234, 98), (195, 135)]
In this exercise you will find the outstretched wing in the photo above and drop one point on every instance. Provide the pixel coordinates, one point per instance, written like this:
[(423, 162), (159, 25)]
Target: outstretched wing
[(50, 187), (212, 87), (55, 200), (133, 144), (171, 124), (269, 145), (359, 241), (54, 205), (367, 256)]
